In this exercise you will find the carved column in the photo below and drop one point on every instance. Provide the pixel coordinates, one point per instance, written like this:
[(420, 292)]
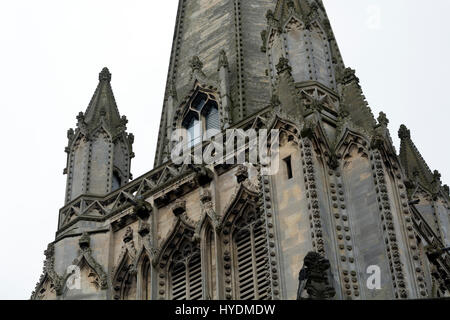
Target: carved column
[(389, 232), (271, 234)]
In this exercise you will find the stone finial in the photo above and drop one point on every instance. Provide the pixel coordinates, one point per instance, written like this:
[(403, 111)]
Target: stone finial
[(283, 65), (104, 75), (404, 132), (179, 207), (241, 173), (70, 134), (80, 117), (131, 138), (50, 250), (446, 189), (124, 121), (196, 64), (382, 119), (348, 76), (436, 176), (223, 60), (128, 236), (85, 241)]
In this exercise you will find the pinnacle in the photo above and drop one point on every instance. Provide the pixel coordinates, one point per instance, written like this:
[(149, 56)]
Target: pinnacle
[(404, 132), (104, 75)]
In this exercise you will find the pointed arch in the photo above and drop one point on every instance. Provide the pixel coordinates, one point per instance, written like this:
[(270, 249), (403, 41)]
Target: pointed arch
[(124, 278), (101, 142), (318, 135), (288, 129), (321, 54), (245, 252), (91, 281), (200, 115), (298, 48), (77, 163), (185, 273), (182, 228), (209, 254), (144, 275), (348, 142), (180, 263), (45, 290)]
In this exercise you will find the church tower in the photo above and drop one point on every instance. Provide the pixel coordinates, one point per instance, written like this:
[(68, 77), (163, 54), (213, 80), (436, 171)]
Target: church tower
[(99, 149), (345, 217), (216, 49)]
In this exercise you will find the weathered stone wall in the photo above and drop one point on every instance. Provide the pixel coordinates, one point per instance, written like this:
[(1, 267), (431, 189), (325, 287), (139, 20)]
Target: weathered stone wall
[(291, 207), (207, 28), (254, 62)]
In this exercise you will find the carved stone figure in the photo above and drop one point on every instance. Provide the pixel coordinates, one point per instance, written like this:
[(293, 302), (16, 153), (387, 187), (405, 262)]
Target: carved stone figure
[(313, 278)]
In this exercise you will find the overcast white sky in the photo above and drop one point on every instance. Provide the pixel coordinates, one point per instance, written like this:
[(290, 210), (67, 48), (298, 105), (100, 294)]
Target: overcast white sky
[(51, 52)]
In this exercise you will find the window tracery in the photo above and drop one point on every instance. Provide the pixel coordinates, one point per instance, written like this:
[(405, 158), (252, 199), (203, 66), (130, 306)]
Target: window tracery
[(202, 119)]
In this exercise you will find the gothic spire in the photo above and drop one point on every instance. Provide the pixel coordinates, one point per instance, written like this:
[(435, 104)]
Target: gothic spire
[(103, 107), (415, 166), (99, 152)]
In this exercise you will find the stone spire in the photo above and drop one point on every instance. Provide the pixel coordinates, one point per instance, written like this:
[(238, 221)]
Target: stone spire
[(102, 109), (227, 61), (412, 161), (99, 150)]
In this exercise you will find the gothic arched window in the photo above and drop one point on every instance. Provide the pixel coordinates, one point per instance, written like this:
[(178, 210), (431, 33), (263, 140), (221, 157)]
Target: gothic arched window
[(202, 119), (125, 283), (250, 254), (186, 274), (146, 279)]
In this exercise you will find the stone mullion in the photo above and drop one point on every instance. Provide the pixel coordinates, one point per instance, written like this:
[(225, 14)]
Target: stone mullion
[(313, 201), (344, 241), (219, 267), (273, 269), (412, 245), (204, 267), (388, 227)]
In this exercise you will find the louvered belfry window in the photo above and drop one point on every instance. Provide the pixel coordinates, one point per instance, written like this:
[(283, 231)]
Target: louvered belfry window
[(201, 119), (186, 274), (251, 257)]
